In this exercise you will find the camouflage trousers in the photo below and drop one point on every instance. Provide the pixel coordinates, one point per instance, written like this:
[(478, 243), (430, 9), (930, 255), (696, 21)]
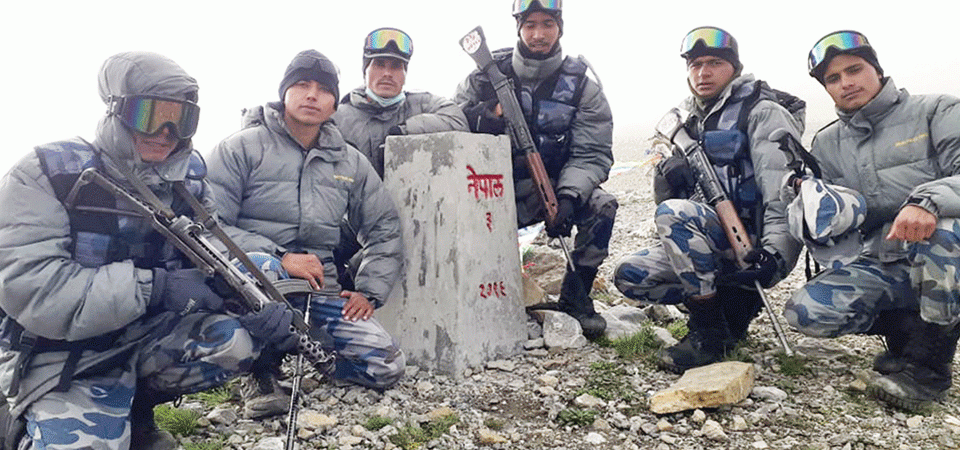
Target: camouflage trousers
[(366, 354), (847, 299), (594, 221), (693, 250), (173, 354)]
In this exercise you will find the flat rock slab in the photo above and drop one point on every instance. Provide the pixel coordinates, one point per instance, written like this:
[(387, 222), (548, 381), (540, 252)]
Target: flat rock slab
[(722, 383)]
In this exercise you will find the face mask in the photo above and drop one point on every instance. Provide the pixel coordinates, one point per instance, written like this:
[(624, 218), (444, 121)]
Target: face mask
[(386, 101)]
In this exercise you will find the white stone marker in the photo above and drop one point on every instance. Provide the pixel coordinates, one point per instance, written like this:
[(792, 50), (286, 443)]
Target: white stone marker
[(459, 300)]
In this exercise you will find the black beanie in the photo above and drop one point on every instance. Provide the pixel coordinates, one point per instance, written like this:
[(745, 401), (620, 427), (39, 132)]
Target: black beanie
[(312, 65), (867, 53)]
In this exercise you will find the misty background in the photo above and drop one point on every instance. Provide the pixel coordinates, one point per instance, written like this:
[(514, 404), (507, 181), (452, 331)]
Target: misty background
[(237, 50)]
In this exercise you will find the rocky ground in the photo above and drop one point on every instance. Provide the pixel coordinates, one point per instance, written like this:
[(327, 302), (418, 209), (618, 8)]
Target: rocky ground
[(536, 400)]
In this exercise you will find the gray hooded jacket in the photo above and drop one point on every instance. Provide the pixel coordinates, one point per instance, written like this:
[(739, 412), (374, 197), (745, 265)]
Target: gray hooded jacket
[(41, 286), (896, 147), (366, 124), (274, 195), (769, 163)]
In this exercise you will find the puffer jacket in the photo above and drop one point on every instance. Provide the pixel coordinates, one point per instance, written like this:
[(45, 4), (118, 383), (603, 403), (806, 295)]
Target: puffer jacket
[(769, 163), (896, 147), (365, 124), (591, 133), (274, 195), (41, 286)]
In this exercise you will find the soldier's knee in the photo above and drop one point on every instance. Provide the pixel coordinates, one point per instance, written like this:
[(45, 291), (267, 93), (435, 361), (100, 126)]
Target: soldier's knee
[(800, 311)]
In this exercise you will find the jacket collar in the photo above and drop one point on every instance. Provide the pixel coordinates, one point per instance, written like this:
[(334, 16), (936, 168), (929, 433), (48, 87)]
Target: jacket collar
[(534, 70)]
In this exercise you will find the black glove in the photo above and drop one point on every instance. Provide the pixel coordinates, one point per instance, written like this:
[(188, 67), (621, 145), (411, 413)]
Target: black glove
[(564, 221), (395, 131), (482, 118), (272, 325), (184, 291), (763, 268), (673, 179)]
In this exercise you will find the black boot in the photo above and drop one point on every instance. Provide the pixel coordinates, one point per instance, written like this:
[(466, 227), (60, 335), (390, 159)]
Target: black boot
[(575, 300), (926, 376), (894, 326), (144, 434), (707, 340), (740, 306)]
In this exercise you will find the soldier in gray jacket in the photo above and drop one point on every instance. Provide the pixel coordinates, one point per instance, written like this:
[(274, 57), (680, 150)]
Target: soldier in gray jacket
[(733, 115), (893, 270), (101, 317), (381, 108), (283, 184), (572, 126)]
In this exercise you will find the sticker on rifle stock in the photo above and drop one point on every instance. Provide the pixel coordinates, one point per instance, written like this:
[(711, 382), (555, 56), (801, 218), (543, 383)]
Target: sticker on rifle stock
[(471, 42)]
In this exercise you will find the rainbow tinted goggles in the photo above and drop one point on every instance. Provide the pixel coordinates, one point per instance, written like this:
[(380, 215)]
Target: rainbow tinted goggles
[(710, 36), (378, 42), (521, 6), (148, 114), (839, 41)]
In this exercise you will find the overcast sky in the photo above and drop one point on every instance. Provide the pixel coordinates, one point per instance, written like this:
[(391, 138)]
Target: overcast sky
[(237, 50)]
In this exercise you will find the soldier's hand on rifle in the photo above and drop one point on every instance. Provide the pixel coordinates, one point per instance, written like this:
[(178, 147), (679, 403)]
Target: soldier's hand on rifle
[(357, 306), (673, 179), (184, 291), (272, 326), (306, 266), (913, 224), (763, 268), (563, 223), (486, 117)]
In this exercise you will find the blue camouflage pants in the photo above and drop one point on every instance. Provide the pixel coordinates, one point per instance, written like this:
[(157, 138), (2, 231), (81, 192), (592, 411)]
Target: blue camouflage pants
[(366, 354), (847, 299), (172, 354), (594, 220), (693, 250)]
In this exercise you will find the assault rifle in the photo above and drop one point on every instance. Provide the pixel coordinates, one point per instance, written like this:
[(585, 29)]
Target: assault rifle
[(475, 44), (671, 127), (188, 236)]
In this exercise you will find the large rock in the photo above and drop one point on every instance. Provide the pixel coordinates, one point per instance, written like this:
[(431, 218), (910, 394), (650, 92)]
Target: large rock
[(709, 386)]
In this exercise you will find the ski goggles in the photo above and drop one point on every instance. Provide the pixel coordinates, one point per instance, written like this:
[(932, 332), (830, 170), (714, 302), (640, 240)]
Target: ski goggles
[(378, 43), (521, 6), (840, 41), (149, 114), (711, 37)]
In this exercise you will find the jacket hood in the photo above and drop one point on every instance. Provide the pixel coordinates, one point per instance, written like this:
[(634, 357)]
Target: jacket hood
[(142, 73)]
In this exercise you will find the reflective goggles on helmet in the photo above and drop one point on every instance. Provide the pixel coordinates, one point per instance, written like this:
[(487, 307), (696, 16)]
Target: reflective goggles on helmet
[(148, 114), (840, 41), (521, 6), (378, 43), (710, 36)]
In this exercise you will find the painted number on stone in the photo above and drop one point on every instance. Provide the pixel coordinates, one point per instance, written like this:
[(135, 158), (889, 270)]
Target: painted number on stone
[(495, 289)]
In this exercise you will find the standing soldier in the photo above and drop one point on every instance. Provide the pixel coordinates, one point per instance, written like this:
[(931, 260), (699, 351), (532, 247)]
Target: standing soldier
[(572, 126)]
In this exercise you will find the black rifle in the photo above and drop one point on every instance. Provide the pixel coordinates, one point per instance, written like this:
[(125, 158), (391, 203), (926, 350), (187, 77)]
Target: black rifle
[(475, 44), (188, 236), (672, 128)]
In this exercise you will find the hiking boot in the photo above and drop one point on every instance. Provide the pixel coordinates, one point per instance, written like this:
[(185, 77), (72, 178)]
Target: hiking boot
[(575, 300), (144, 434), (262, 395), (706, 342), (893, 326), (926, 376)]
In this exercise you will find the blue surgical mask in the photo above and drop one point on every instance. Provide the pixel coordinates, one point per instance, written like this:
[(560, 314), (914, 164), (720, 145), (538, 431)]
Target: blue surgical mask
[(386, 101)]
